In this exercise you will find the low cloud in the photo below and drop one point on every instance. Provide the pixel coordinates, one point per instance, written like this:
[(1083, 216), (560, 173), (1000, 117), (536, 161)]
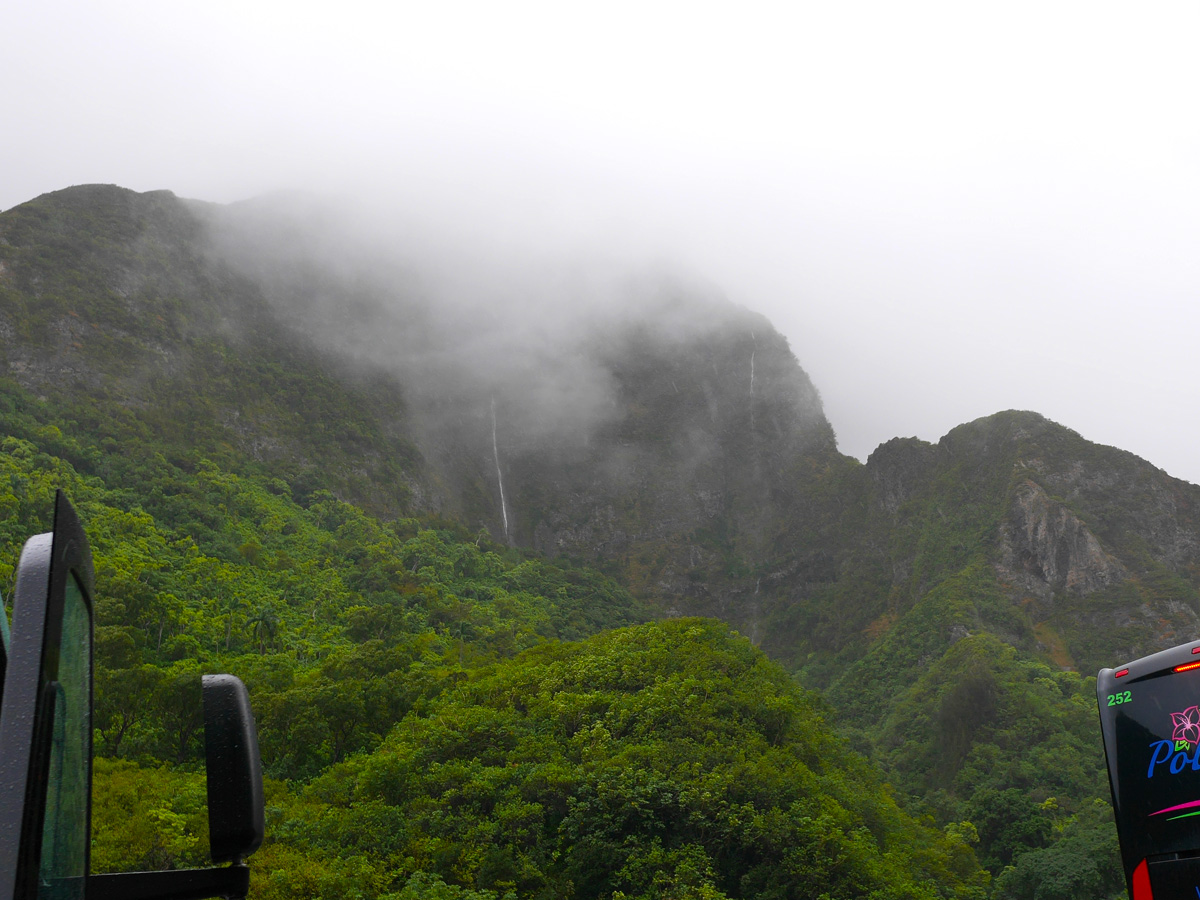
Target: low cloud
[(460, 326)]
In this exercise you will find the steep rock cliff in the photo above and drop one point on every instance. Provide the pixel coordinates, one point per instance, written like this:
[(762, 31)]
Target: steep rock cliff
[(1045, 548)]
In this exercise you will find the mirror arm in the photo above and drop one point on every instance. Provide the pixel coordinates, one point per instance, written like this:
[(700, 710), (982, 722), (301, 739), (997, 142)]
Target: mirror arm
[(232, 882)]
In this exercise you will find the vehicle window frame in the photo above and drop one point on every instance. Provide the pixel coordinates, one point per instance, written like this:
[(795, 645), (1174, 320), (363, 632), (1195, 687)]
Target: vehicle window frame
[(33, 667), (5, 642)]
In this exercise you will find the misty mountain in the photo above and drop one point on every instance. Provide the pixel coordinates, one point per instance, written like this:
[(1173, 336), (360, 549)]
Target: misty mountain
[(629, 421), (654, 428), (669, 434), (945, 598)]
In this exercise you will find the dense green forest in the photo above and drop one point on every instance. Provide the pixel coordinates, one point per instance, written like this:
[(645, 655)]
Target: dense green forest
[(460, 696), (431, 726), (435, 720)]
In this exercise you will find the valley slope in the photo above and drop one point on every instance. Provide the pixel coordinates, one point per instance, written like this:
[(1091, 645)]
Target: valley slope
[(948, 600)]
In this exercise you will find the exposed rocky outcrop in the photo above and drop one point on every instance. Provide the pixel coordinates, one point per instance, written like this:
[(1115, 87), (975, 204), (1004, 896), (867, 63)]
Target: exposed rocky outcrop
[(1045, 548)]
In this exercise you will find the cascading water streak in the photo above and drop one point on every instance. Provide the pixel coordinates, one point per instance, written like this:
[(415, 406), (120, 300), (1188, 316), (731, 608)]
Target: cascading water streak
[(499, 476), (753, 351)]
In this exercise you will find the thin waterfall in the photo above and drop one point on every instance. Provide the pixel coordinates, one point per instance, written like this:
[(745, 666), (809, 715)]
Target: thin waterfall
[(499, 477), (753, 351)]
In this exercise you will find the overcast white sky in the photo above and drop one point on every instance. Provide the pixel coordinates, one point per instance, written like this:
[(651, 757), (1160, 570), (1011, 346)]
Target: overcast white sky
[(949, 208)]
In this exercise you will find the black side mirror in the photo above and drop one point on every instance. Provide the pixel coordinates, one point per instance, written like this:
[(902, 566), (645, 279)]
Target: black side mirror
[(235, 807), (231, 759)]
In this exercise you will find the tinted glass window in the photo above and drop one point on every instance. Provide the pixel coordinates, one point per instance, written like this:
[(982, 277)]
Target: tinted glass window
[(1157, 729), (64, 837)]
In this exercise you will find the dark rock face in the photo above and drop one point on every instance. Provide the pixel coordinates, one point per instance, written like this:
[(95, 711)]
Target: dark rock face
[(690, 441), (1045, 548)]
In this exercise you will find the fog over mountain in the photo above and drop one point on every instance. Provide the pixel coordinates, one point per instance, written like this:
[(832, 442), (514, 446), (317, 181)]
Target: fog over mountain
[(457, 326), (947, 211)]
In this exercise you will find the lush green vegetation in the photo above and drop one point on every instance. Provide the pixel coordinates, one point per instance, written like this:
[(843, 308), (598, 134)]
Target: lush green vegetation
[(426, 731), (669, 760), (443, 716), (1009, 745)]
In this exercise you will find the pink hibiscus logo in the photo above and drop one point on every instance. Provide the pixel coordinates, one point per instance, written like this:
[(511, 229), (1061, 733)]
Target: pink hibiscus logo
[(1187, 725)]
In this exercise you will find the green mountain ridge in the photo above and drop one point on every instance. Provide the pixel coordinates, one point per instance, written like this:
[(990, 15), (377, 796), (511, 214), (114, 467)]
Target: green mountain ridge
[(346, 629), (947, 599)]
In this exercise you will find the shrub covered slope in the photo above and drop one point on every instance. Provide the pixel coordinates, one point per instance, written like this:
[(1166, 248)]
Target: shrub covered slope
[(334, 533)]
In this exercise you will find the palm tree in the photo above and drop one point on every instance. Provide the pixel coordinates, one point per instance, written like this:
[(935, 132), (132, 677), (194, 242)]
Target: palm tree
[(265, 626)]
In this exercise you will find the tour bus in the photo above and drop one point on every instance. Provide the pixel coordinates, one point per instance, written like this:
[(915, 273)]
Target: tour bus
[(46, 744), (1150, 718)]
